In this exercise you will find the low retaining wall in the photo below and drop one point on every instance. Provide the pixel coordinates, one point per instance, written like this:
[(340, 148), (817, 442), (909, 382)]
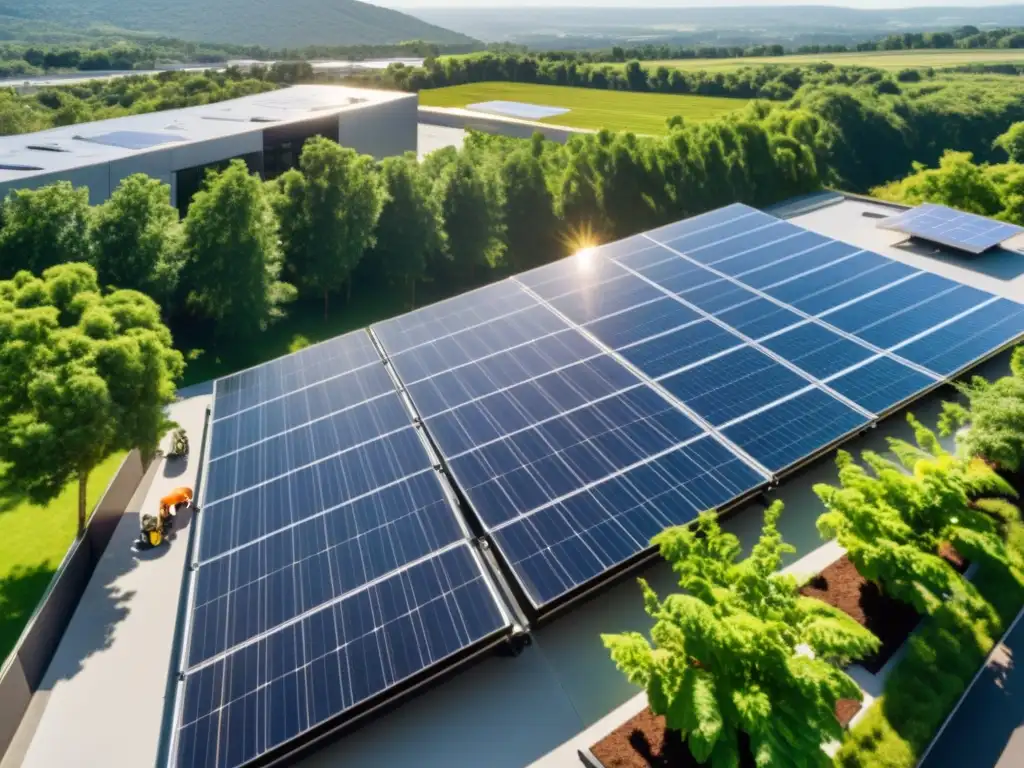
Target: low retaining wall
[(478, 121), (23, 672)]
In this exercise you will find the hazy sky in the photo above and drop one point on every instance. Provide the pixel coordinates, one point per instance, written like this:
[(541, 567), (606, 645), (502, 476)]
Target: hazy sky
[(679, 3)]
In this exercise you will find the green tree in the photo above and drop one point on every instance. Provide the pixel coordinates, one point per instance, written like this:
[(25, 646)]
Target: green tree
[(1012, 142), (232, 254), (328, 210), (528, 211), (471, 219), (893, 517), (137, 239), (410, 231), (84, 374), (958, 182), (994, 415), (741, 651), (44, 227)]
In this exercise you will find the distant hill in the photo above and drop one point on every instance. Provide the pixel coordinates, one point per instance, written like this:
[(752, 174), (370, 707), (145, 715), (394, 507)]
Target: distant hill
[(272, 23), (582, 27)]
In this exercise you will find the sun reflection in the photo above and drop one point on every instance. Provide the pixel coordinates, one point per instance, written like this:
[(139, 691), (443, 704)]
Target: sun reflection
[(585, 258)]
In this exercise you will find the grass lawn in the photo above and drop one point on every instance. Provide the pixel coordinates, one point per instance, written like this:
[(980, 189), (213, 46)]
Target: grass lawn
[(33, 541), (589, 108), (891, 60)]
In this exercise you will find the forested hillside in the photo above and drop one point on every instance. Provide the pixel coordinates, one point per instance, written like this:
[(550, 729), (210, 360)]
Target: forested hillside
[(262, 22)]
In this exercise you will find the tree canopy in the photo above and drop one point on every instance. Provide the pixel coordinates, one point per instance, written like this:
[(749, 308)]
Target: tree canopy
[(84, 373), (741, 651), (233, 256), (137, 239), (44, 227), (328, 210)]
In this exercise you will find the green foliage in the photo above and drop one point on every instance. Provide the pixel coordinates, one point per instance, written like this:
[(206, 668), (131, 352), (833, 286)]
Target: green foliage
[(301, 23), (740, 651), (233, 257), (988, 190), (44, 227), (137, 240), (892, 518), (85, 374), (532, 230), (469, 210), (410, 234), (328, 210), (1012, 142)]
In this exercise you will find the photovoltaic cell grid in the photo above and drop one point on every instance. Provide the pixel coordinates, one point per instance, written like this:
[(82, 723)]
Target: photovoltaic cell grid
[(332, 565), (947, 226), (570, 430), (571, 460)]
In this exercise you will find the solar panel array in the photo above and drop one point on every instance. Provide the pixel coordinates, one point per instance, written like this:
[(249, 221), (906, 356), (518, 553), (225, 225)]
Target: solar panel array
[(947, 226), (332, 564), (586, 405), (580, 408)]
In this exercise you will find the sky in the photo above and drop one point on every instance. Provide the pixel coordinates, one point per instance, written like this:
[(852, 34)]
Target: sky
[(411, 4)]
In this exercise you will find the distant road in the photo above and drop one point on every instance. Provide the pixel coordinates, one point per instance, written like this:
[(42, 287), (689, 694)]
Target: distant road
[(988, 729)]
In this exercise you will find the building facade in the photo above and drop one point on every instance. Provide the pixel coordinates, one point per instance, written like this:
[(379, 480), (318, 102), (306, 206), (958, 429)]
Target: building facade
[(266, 130)]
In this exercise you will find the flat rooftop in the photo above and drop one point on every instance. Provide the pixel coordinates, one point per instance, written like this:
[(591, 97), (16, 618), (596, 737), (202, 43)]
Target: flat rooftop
[(104, 141), (103, 697)]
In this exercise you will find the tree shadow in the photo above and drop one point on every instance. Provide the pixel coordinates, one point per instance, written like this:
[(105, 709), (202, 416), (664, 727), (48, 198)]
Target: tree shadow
[(20, 591), (10, 496)]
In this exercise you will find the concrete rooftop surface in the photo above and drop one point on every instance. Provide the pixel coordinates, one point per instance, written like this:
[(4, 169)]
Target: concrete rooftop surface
[(102, 699)]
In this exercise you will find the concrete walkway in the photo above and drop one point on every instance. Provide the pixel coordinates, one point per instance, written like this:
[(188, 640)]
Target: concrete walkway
[(987, 731), (101, 702)]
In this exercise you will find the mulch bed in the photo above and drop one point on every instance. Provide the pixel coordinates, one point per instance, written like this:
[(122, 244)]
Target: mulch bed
[(846, 710), (891, 620), (643, 742)]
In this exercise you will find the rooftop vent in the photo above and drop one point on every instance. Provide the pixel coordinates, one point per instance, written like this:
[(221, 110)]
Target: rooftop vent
[(46, 148), (6, 167)]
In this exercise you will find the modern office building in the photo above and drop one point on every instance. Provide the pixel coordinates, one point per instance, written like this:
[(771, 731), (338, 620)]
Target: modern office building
[(266, 130)]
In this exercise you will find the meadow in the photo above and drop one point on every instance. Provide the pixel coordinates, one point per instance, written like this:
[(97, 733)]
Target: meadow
[(888, 60), (589, 108)]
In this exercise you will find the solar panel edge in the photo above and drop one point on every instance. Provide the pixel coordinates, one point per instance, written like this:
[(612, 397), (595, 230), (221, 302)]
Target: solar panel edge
[(396, 692), (183, 671)]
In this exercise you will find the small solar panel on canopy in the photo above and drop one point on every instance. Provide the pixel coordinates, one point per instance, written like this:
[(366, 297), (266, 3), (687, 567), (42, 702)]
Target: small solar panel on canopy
[(947, 226), (332, 565)]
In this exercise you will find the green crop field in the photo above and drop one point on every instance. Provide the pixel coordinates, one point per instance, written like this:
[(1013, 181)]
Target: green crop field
[(589, 108), (891, 60)]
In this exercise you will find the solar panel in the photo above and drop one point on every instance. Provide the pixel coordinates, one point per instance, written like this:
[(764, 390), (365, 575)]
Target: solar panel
[(532, 425), (333, 569), (132, 139), (696, 359), (956, 229)]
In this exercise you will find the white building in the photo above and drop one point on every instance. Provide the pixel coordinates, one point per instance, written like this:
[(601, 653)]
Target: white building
[(266, 130)]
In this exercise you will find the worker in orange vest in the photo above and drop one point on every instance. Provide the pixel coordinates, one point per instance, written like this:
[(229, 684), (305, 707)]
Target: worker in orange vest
[(169, 504)]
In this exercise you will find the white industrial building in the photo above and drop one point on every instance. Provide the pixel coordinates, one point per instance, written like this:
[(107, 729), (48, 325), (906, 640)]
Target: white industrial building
[(265, 130)]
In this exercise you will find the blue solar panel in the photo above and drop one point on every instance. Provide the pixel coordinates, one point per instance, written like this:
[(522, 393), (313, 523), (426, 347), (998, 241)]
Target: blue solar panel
[(315, 501), (818, 350), (266, 693), (881, 384), (785, 434), (733, 385), (957, 345), (605, 299), (793, 256), (639, 323), (569, 543), (957, 229), (669, 352)]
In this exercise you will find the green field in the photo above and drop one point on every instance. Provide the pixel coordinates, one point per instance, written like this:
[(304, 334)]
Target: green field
[(589, 108), (33, 541), (891, 60)]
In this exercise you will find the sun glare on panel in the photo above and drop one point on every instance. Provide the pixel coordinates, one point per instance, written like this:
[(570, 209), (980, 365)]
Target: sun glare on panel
[(585, 258)]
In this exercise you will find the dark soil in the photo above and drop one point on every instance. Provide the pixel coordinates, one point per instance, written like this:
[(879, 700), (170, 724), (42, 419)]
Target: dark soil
[(948, 553), (643, 742), (891, 620), (846, 710)]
